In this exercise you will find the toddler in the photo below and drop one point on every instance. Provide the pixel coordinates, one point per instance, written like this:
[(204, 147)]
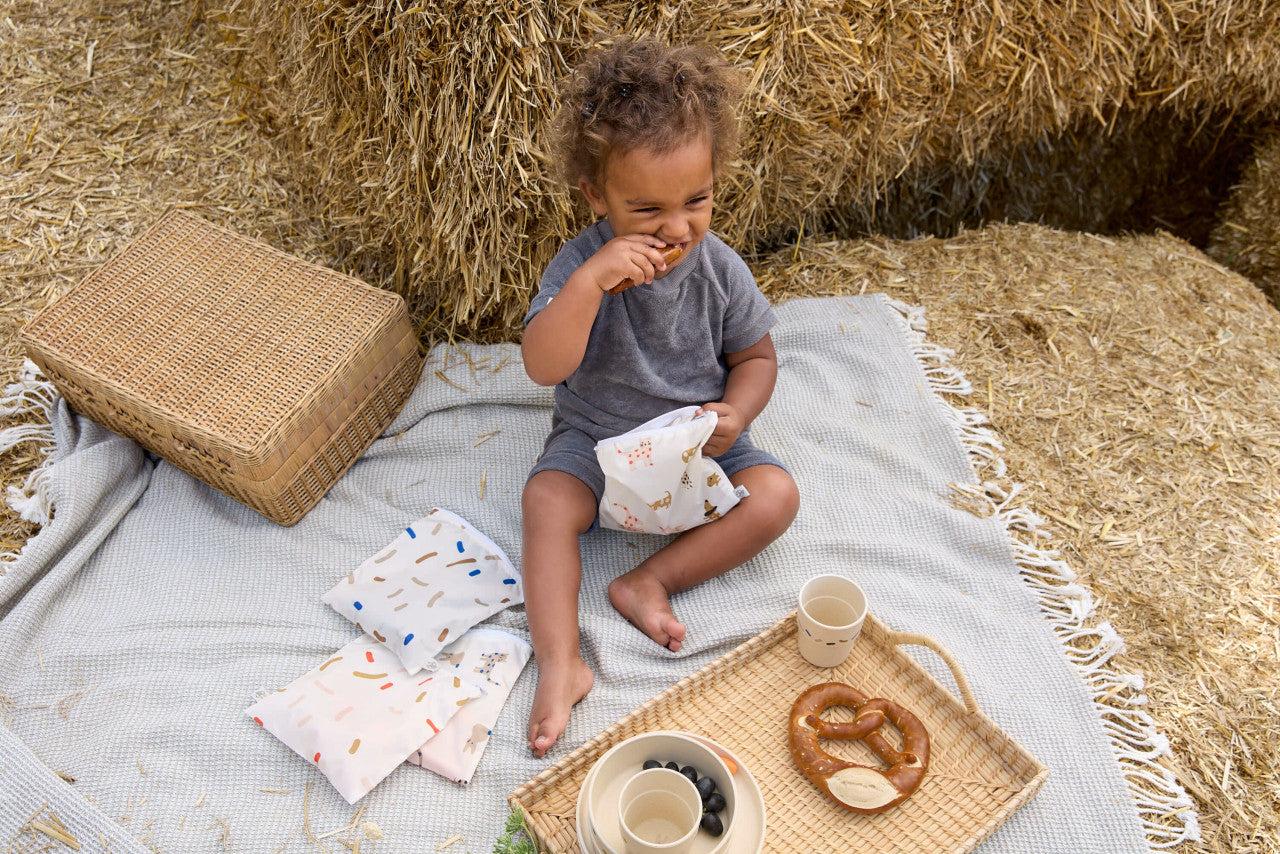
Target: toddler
[(643, 131)]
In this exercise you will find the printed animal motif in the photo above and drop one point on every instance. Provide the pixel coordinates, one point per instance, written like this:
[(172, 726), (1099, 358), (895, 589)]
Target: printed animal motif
[(479, 735), (713, 478), (661, 502), (454, 658), (629, 522), (488, 660), (709, 511), (641, 453), (688, 455)]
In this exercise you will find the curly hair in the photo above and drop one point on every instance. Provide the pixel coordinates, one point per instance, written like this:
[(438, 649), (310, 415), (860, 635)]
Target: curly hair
[(644, 94)]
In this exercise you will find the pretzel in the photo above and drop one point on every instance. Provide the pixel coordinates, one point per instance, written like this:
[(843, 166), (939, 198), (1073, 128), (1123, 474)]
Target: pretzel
[(669, 257), (859, 788)]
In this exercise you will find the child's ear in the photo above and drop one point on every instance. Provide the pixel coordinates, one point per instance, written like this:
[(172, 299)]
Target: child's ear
[(595, 198)]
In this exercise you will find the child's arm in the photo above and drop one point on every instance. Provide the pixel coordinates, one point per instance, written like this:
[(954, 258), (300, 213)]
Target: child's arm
[(556, 339), (752, 373)]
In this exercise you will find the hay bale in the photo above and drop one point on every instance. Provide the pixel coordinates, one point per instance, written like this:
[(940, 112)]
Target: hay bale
[(426, 123), (1247, 239)]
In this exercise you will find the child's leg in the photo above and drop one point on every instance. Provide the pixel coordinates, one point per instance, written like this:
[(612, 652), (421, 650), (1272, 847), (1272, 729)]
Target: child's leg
[(557, 508), (709, 550)]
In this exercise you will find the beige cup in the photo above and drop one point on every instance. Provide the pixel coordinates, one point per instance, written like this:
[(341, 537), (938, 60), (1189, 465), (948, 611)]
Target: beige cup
[(832, 609), (659, 811)]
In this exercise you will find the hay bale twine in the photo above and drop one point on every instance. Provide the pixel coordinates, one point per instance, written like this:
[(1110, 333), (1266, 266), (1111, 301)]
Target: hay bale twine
[(1247, 239), (423, 125)]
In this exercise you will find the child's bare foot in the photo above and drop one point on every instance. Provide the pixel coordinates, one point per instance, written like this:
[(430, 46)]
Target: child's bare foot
[(642, 599), (559, 688)]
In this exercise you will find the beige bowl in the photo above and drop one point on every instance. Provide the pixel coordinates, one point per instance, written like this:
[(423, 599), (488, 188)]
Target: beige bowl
[(605, 780)]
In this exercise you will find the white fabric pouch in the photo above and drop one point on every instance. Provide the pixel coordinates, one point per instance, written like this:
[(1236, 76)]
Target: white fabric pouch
[(358, 715), (432, 583), (494, 659), (656, 479)]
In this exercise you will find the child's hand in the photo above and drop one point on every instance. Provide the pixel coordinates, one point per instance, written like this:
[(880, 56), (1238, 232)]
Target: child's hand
[(729, 425), (632, 256)]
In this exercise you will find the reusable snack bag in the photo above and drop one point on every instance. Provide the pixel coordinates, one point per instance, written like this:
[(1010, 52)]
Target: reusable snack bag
[(494, 659), (432, 583), (359, 714), (656, 479)]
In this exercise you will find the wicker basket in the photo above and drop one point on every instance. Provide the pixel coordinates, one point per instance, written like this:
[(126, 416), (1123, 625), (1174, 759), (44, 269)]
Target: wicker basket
[(978, 775), (262, 375)]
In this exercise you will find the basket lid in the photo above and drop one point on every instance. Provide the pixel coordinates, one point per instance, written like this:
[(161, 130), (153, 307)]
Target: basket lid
[(226, 334)]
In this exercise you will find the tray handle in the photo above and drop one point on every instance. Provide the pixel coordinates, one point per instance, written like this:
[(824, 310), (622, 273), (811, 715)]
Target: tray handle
[(966, 693)]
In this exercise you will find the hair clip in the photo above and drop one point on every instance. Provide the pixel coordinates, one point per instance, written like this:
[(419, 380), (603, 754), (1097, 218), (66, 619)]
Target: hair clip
[(624, 91)]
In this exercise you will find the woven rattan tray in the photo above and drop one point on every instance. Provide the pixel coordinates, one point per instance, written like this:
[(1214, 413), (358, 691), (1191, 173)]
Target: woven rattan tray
[(261, 374), (978, 775)]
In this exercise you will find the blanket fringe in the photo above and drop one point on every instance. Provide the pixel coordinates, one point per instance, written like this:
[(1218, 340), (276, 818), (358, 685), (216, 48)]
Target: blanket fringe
[(1167, 811), (32, 395)]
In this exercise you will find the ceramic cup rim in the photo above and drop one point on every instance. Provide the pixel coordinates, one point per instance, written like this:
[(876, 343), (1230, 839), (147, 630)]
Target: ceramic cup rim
[(683, 784), (859, 594), (653, 744)]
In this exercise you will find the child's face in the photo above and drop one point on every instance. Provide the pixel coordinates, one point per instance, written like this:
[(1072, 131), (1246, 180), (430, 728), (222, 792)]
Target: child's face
[(666, 195)]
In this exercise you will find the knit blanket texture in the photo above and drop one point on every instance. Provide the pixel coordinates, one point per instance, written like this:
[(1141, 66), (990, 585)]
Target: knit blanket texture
[(151, 610)]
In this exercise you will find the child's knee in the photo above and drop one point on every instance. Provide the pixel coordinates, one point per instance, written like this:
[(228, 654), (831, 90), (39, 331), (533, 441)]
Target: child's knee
[(775, 498), (784, 499), (555, 496), (790, 499)]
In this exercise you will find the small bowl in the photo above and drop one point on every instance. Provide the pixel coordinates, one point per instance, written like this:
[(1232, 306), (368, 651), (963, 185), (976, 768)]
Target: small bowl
[(611, 771)]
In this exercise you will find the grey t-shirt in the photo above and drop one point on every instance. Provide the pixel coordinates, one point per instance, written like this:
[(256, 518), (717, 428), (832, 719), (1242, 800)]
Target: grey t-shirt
[(656, 347)]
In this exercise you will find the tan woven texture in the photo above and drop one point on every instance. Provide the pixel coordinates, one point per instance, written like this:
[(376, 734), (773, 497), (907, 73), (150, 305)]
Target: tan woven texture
[(256, 372), (978, 775)]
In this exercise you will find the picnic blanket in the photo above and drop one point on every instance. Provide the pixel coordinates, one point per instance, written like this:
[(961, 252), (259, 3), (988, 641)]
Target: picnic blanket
[(151, 610)]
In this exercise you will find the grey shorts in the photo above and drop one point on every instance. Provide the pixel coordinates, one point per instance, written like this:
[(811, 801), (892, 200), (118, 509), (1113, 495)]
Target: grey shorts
[(572, 451)]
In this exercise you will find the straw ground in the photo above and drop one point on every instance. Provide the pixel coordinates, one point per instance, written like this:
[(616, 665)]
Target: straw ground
[(1132, 379)]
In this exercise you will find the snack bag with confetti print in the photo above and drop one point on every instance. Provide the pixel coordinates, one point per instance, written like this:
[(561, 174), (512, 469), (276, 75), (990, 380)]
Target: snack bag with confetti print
[(359, 714), (432, 583), (494, 659)]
